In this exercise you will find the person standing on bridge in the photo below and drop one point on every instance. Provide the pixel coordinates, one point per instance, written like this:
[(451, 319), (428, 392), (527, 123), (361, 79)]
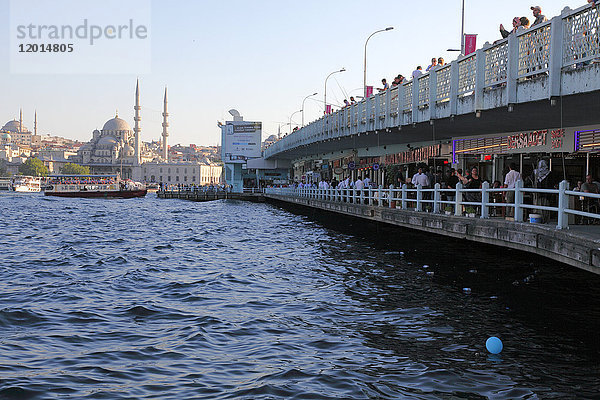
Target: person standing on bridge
[(432, 65), (385, 87), (510, 181), (417, 72), (537, 13)]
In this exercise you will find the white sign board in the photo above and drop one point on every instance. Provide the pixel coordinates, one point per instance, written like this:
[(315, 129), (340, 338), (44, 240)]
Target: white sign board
[(241, 141)]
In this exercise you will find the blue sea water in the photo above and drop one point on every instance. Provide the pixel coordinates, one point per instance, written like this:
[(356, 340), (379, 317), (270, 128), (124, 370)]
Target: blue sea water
[(168, 299)]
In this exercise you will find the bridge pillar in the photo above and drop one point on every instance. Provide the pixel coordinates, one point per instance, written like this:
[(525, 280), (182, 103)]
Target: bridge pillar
[(415, 100), (454, 81), (479, 77), (556, 57), (432, 94), (512, 69)]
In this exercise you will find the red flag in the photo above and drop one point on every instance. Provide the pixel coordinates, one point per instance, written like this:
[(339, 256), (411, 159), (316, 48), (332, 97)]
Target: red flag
[(470, 44), (369, 91)]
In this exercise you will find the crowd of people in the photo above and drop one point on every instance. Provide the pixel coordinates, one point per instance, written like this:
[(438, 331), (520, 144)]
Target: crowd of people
[(502, 191), (437, 62)]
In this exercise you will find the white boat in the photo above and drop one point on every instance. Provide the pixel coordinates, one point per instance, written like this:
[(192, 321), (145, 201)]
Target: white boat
[(27, 184), (6, 184)]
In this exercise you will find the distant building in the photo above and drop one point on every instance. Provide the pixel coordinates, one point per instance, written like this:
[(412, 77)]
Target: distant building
[(182, 173)]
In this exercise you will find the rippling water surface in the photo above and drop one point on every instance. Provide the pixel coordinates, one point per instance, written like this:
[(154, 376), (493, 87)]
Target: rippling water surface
[(166, 299)]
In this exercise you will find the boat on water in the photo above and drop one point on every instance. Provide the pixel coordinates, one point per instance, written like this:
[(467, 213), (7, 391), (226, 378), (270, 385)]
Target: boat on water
[(94, 186), (27, 184), (6, 184)]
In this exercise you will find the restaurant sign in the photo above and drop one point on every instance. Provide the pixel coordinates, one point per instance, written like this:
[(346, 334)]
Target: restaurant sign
[(538, 141), (422, 154)]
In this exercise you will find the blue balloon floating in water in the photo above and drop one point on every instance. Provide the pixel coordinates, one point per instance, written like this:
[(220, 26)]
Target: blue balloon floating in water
[(493, 345)]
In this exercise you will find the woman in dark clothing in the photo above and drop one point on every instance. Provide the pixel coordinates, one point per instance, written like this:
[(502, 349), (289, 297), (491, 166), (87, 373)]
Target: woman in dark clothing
[(472, 181)]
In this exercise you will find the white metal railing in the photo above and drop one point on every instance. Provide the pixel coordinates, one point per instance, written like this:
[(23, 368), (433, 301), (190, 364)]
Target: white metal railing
[(568, 41), (443, 78), (534, 50), (462, 202)]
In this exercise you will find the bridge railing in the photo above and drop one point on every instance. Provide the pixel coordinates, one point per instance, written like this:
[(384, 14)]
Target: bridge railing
[(486, 79), (485, 202)]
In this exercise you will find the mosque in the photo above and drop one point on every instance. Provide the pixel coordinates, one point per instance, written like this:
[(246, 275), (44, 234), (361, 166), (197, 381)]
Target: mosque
[(117, 148), (17, 132)]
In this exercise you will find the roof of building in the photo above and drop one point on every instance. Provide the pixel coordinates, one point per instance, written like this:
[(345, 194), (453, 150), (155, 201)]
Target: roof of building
[(116, 124)]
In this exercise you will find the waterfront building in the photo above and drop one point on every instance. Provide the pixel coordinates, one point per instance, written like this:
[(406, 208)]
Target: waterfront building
[(185, 173)]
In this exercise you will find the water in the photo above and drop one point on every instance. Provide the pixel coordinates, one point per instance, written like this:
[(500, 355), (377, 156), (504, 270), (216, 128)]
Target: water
[(167, 299)]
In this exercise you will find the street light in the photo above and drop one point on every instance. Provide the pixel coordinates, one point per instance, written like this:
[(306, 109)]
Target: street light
[(365, 67), (462, 32), (310, 95), (294, 113), (325, 94)]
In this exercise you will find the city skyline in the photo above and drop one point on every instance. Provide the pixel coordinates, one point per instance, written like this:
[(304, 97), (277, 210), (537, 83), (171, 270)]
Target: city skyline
[(258, 58)]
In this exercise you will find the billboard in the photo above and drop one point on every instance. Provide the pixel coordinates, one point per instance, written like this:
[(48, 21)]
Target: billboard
[(241, 141)]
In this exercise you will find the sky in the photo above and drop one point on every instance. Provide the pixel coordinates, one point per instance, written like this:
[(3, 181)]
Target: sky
[(261, 58)]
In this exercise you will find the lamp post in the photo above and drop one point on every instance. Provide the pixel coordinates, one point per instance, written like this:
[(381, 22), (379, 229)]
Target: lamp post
[(365, 66), (294, 113), (462, 32), (325, 94), (310, 95)]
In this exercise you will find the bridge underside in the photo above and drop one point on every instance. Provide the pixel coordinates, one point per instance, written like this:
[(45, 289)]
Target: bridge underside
[(568, 111)]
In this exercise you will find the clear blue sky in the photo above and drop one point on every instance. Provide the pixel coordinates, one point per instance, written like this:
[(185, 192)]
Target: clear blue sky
[(261, 58)]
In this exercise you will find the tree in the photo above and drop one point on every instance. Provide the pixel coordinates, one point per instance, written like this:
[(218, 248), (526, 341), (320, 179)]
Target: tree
[(33, 167), (75, 169)]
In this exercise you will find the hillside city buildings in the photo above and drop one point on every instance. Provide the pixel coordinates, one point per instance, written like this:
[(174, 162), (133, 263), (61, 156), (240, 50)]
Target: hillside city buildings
[(116, 148)]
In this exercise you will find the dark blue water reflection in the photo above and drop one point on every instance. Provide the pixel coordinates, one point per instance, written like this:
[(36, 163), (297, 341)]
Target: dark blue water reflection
[(167, 299)]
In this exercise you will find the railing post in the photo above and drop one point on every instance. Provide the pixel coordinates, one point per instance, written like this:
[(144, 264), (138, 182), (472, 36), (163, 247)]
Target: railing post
[(512, 68), (555, 60), (479, 77), (518, 201), (419, 198), (436, 198), (380, 196), (454, 82), (458, 200), (388, 117), (563, 202), (370, 194), (432, 93), (485, 199), (362, 197), (415, 99), (391, 196), (404, 197)]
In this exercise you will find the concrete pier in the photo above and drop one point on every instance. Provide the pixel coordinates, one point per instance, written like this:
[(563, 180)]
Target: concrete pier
[(578, 247), (209, 195)]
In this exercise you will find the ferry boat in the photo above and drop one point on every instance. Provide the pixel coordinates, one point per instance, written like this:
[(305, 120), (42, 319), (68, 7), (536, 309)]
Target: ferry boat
[(27, 184), (94, 186), (6, 184)]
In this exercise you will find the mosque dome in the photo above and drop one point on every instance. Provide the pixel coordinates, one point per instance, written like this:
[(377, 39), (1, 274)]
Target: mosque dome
[(107, 141), (128, 150), (271, 138), (116, 124), (13, 126)]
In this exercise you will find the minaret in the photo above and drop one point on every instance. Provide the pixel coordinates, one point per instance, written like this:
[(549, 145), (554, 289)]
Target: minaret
[(137, 129), (35, 123), (165, 134), (20, 120)]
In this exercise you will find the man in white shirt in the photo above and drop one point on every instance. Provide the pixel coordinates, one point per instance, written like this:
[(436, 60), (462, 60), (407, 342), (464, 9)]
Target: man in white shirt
[(509, 182), (420, 178), (367, 182)]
